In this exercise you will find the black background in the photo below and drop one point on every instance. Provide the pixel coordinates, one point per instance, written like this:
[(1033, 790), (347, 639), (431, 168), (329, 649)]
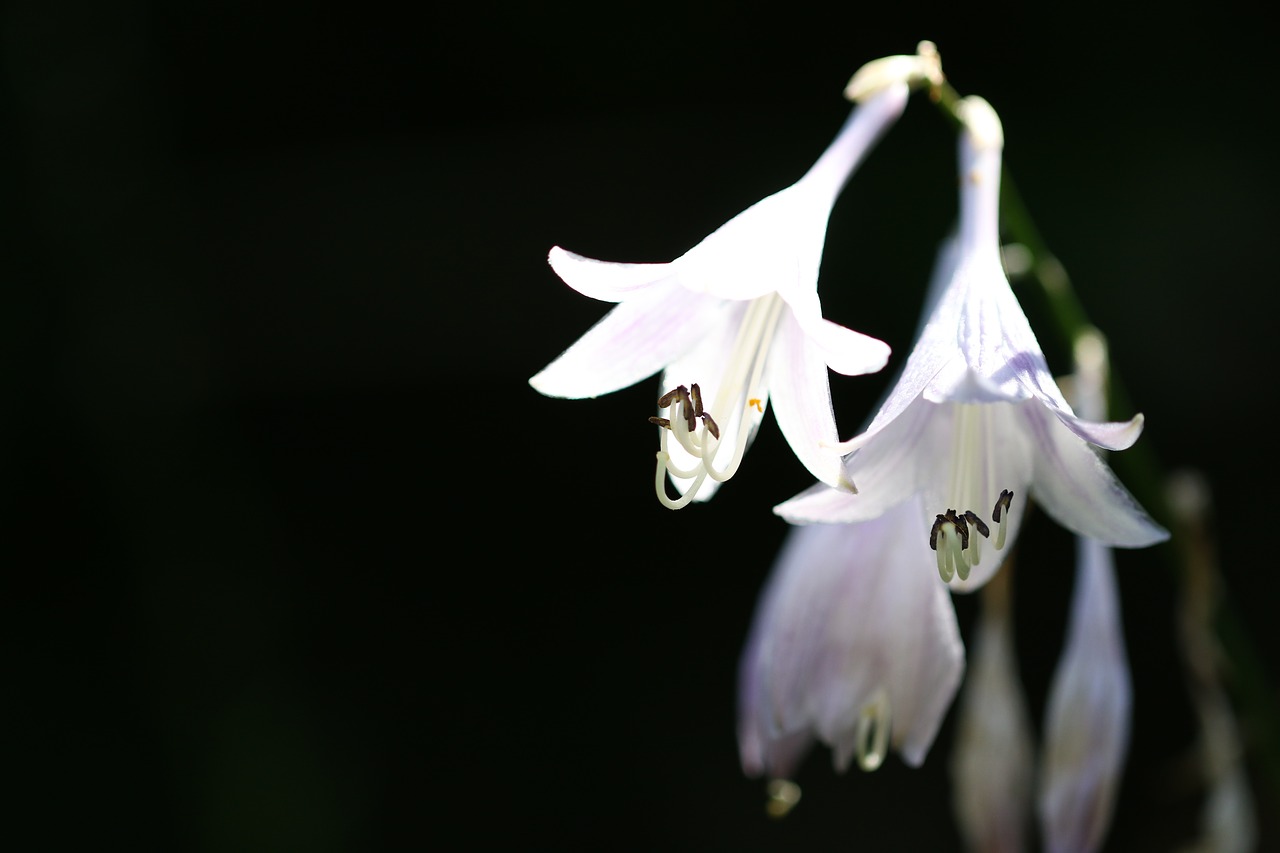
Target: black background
[(299, 561)]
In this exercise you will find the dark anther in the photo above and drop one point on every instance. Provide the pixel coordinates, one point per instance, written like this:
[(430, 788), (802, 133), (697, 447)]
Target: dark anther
[(711, 425), (972, 517), (1002, 503), (696, 393), (667, 398), (682, 394), (662, 422), (961, 527), (938, 521)]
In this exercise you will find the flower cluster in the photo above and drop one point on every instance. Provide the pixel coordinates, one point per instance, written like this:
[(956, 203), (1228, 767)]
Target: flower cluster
[(855, 642)]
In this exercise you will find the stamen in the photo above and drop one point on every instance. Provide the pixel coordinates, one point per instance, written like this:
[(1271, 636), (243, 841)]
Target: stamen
[(742, 377), (963, 528), (871, 739), (660, 482), (938, 521), (783, 796), (1002, 502), (972, 517), (974, 553), (955, 552), (1002, 518), (695, 393), (668, 398)]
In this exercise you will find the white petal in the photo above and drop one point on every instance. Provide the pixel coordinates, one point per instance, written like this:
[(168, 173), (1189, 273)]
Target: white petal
[(802, 401), (606, 280), (1078, 489), (633, 341), (705, 364), (776, 244), (849, 612), (894, 628), (892, 466), (1087, 714), (845, 351), (991, 762)]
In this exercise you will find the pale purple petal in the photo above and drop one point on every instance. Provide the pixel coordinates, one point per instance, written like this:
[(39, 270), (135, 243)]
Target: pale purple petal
[(991, 762), (1078, 489), (848, 612), (633, 341), (892, 466), (1088, 713)]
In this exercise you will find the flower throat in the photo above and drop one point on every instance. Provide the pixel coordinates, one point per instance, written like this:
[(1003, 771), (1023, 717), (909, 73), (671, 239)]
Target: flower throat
[(740, 389)]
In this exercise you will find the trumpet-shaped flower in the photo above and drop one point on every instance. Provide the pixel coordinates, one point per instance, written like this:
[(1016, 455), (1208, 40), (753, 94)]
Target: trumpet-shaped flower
[(850, 645), (732, 323), (976, 424), (1086, 731), (993, 756), (855, 638), (1087, 717)]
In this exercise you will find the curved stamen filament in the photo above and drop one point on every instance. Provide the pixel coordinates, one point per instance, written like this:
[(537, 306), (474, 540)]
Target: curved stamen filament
[(739, 390), (957, 535), (871, 737)]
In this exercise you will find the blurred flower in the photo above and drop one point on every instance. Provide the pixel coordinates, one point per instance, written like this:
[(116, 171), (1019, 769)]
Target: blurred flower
[(732, 322), (993, 756), (1087, 716), (976, 424), (848, 635)]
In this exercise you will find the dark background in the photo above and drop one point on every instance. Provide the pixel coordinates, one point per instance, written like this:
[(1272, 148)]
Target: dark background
[(297, 559)]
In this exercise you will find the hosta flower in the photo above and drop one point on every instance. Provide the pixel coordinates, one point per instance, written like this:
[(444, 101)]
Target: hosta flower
[(1087, 717), (732, 323), (855, 636), (976, 425), (851, 645), (992, 761)]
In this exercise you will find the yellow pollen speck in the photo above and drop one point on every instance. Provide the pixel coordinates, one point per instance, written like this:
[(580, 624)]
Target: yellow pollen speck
[(755, 401)]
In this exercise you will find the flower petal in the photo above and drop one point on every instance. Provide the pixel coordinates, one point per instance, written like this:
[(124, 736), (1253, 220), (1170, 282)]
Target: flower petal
[(991, 762), (705, 365), (633, 341), (848, 613), (606, 280), (891, 467), (845, 351), (802, 400), (1078, 489), (1087, 714)]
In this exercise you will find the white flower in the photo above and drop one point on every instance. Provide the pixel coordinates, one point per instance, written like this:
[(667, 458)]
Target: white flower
[(851, 644), (976, 424), (734, 321), (993, 756), (1087, 715), (854, 642)]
